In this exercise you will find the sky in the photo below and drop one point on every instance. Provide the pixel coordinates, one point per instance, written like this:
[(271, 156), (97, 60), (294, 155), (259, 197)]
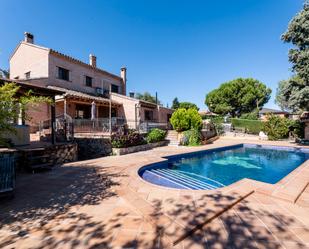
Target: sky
[(176, 48)]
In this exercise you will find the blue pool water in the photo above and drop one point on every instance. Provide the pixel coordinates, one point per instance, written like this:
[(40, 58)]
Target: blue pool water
[(220, 167)]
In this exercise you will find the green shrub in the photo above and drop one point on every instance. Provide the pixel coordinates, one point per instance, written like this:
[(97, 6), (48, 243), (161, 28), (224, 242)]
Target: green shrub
[(155, 135), (180, 120), (277, 128), (183, 119), (250, 126), (192, 138), (195, 119)]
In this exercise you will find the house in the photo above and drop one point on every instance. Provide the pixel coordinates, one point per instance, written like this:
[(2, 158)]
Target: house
[(266, 111), (90, 93)]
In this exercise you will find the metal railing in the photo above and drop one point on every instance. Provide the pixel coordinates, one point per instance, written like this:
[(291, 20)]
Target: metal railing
[(99, 125), (7, 174), (103, 125), (66, 127)]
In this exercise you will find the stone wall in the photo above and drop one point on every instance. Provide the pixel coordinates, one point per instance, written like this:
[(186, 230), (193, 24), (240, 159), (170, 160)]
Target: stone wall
[(207, 134), (124, 151), (60, 154), (93, 147)]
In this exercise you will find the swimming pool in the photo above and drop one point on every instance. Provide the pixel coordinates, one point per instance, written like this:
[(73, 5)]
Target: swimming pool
[(216, 168)]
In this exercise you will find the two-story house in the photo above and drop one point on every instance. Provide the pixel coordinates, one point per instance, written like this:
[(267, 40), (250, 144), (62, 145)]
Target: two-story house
[(85, 85)]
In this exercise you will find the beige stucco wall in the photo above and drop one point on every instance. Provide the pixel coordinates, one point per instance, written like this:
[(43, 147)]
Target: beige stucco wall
[(40, 62), (28, 57), (77, 76), (129, 109), (264, 116), (38, 113), (163, 114)]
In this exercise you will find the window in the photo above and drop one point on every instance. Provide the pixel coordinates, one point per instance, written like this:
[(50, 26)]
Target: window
[(63, 74), (148, 115), (27, 75), (82, 111), (115, 88), (88, 81)]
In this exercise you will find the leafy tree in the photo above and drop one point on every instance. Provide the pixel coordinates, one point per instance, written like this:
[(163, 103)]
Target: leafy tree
[(175, 104), (298, 35), (11, 105), (4, 74), (237, 97), (251, 115), (293, 95), (147, 97), (188, 105)]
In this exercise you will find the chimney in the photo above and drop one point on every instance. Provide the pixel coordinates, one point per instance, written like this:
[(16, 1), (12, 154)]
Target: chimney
[(28, 37), (132, 94), (123, 75), (93, 60)]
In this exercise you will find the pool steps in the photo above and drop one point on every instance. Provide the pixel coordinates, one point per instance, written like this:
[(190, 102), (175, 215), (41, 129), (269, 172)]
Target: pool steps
[(183, 180), (167, 179), (196, 184)]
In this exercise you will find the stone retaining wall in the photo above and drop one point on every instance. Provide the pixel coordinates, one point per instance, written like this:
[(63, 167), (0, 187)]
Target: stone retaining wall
[(93, 147), (63, 153), (123, 151), (207, 134)]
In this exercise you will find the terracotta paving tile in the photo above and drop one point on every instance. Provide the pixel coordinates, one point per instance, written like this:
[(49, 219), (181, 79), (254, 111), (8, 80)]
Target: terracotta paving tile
[(284, 234), (141, 215), (149, 240), (133, 223), (302, 234), (196, 241), (125, 239)]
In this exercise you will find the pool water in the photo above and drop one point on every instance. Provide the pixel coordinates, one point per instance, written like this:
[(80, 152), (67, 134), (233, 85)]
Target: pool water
[(224, 166)]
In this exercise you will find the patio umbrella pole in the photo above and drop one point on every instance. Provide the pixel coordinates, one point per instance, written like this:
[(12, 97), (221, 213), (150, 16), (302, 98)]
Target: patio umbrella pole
[(110, 110)]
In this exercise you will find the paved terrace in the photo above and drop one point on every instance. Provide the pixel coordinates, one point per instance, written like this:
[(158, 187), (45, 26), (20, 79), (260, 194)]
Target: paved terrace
[(102, 203)]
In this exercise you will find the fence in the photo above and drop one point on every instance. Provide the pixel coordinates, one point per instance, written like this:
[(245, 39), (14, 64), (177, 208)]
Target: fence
[(104, 125), (64, 130), (7, 174), (66, 127)]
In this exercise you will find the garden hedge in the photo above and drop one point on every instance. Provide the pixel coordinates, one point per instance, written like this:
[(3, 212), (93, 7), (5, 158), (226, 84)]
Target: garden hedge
[(251, 126)]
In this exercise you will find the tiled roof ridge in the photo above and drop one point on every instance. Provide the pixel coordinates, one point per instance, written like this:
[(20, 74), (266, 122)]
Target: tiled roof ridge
[(70, 92)]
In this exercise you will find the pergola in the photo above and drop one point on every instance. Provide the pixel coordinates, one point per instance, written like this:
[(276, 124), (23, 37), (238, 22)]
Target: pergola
[(36, 90)]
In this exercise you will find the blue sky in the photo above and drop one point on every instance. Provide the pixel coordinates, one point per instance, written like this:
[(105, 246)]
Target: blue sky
[(177, 48)]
